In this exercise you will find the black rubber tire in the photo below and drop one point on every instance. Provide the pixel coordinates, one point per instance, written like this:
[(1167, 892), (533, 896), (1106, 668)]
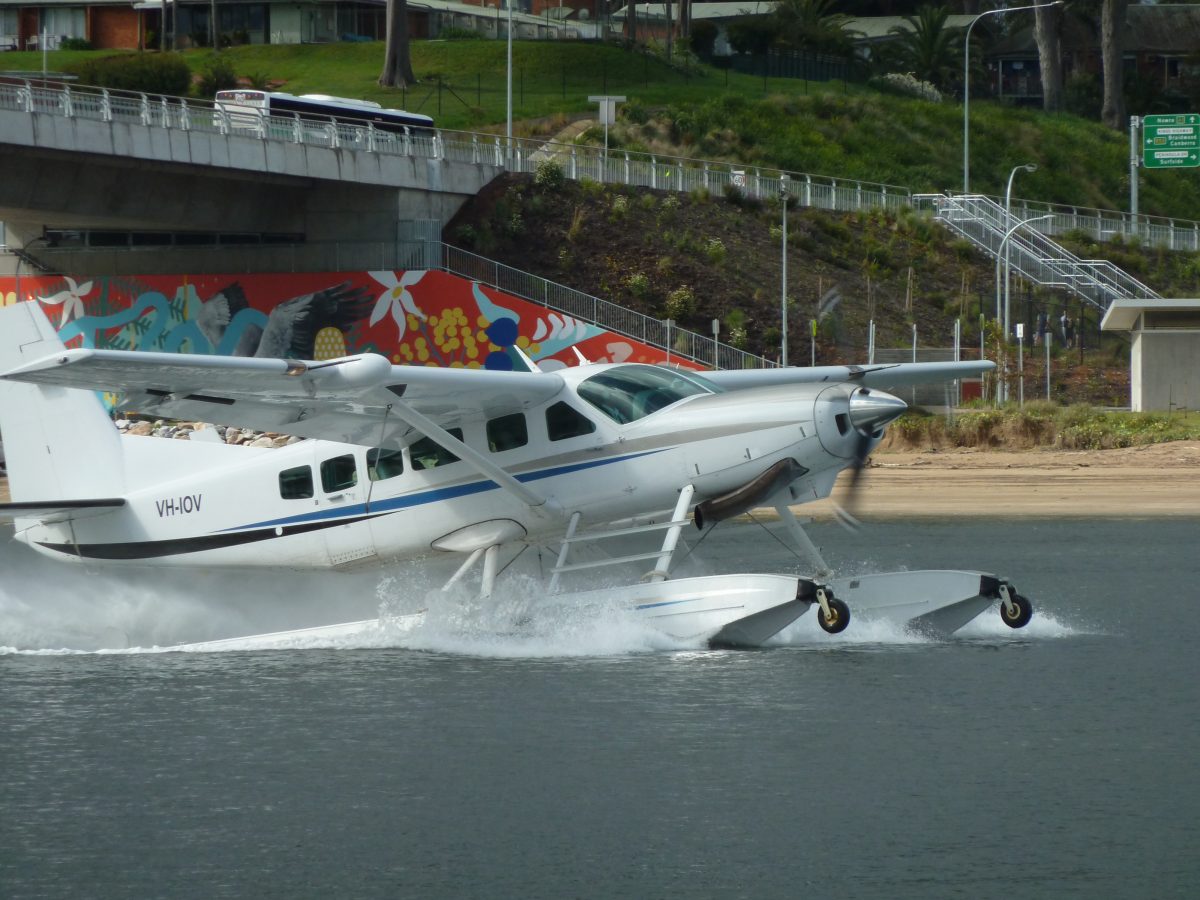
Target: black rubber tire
[(839, 616), (1023, 612)]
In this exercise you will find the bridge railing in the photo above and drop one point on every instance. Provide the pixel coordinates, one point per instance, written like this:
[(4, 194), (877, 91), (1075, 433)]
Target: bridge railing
[(578, 161)]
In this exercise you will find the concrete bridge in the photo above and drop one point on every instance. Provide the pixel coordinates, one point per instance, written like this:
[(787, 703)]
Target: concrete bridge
[(96, 159)]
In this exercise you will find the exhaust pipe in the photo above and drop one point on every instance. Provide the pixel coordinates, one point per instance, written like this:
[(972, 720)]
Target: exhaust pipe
[(749, 495)]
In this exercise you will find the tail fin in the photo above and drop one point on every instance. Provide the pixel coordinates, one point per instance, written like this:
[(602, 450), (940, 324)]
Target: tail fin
[(59, 443)]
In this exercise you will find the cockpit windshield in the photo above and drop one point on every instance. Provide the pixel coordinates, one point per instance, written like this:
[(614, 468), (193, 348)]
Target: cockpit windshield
[(628, 393)]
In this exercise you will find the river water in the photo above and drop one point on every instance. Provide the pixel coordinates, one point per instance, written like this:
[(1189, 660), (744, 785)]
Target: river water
[(592, 758)]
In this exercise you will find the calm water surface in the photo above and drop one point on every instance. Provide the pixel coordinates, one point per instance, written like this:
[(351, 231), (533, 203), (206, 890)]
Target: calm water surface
[(592, 760)]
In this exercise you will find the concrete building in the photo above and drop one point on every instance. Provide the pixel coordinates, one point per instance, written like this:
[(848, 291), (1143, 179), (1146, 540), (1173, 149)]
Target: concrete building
[(1165, 352)]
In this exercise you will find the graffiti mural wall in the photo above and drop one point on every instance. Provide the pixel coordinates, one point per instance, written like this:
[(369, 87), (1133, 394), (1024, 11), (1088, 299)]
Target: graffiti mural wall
[(413, 318)]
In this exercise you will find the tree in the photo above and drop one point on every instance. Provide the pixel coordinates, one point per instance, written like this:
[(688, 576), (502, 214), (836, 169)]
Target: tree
[(927, 48), (1047, 31), (397, 64), (1112, 24), (813, 25)]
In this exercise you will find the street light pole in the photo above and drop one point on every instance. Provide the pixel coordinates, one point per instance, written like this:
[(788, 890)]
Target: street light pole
[(1007, 218), (1000, 251), (967, 82), (783, 198), (508, 129)]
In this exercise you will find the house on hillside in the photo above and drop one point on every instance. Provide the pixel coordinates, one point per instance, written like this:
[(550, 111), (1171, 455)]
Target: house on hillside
[(1162, 46), (139, 24)]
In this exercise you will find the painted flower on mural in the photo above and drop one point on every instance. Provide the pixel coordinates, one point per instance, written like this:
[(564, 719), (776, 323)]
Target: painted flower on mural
[(396, 299), (71, 300)]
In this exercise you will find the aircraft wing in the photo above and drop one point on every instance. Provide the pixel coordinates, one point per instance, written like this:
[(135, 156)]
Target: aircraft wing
[(339, 400), (884, 377)]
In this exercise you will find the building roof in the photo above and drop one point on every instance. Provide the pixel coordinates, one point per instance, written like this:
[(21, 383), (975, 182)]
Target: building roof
[(1122, 315), (879, 28)]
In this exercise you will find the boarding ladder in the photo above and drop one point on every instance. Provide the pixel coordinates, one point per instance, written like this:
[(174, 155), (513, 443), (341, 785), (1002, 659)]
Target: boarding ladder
[(661, 571)]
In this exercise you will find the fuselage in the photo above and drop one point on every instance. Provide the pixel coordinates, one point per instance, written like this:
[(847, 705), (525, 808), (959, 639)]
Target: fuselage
[(318, 504)]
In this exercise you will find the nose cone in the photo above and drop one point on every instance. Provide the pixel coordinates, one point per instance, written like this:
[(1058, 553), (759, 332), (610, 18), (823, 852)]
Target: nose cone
[(871, 410)]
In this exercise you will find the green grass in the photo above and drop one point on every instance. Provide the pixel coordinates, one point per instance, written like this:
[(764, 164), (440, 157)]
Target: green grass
[(1041, 424), (833, 129)]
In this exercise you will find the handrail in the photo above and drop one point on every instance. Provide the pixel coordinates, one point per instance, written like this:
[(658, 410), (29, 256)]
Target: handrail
[(1035, 256), (524, 154)]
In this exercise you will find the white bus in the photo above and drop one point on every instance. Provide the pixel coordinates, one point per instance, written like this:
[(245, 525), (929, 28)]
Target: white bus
[(269, 111)]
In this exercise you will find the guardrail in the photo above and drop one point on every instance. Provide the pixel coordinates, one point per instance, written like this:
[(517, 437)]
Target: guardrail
[(524, 155)]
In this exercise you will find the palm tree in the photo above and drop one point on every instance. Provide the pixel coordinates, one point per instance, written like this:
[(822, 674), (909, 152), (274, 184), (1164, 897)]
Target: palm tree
[(813, 25), (927, 48)]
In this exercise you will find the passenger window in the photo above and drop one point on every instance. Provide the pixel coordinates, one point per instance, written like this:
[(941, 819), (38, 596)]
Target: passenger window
[(383, 464), (296, 484), (507, 433), (563, 421), (428, 454), (339, 473)]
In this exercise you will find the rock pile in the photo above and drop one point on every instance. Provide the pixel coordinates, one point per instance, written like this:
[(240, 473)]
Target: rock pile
[(183, 431)]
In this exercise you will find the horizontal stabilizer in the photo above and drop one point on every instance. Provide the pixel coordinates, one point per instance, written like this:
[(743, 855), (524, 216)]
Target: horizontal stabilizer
[(58, 510)]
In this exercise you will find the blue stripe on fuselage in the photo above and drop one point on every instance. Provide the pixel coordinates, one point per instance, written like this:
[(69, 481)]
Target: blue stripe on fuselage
[(436, 495)]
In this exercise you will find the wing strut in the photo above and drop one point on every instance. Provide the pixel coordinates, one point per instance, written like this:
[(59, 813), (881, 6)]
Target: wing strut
[(482, 464)]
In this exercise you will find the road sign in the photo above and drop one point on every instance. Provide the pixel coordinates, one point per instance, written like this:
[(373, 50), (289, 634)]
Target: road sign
[(1171, 142)]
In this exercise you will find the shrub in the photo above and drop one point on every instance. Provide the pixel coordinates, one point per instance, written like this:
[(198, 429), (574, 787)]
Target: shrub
[(217, 74), (75, 43), (151, 73), (638, 284), (620, 206), (681, 302), (549, 175), (907, 85), (466, 235), (714, 251)]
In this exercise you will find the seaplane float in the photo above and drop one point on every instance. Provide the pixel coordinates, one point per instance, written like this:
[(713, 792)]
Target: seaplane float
[(481, 467)]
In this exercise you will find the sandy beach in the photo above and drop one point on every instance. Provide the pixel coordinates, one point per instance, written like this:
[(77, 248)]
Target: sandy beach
[(1157, 480)]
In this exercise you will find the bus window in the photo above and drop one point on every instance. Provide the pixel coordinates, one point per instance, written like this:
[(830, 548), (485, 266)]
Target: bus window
[(296, 484), (563, 421), (507, 433), (339, 473), (428, 454), (383, 464)]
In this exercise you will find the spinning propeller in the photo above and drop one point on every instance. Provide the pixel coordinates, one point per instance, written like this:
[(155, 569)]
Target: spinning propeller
[(869, 412)]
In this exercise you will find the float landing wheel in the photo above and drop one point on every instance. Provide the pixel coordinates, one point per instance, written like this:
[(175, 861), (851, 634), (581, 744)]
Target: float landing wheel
[(837, 618), (1021, 611)]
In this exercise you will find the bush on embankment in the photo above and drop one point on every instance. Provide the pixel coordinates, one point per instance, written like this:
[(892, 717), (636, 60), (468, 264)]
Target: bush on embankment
[(1040, 424)]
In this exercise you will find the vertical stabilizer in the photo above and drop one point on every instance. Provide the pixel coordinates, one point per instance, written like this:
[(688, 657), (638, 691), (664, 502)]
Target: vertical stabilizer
[(59, 443)]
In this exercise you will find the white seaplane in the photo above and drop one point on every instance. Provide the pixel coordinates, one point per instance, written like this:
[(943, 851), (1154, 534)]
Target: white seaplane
[(411, 462)]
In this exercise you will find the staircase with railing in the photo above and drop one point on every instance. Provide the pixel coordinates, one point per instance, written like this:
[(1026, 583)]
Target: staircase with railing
[(1030, 252)]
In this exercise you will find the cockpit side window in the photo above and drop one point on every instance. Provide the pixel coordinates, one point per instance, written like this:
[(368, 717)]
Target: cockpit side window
[(507, 432), (564, 421), (296, 484), (628, 393)]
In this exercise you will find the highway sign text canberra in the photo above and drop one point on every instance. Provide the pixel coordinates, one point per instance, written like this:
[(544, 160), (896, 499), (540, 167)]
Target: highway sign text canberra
[(1170, 142)]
